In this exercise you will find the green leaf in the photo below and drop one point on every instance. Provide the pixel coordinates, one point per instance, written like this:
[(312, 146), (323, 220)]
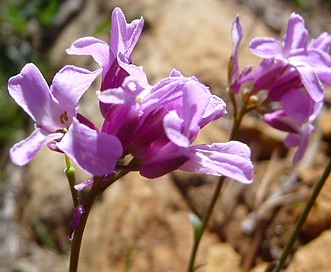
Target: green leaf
[(196, 224)]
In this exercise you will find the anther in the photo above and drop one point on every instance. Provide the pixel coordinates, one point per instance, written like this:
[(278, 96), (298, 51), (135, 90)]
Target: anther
[(64, 118)]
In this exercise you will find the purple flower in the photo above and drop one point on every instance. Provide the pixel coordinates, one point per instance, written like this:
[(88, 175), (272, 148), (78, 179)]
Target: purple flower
[(291, 73), (52, 108), (115, 59), (311, 62), (161, 122), (295, 117)]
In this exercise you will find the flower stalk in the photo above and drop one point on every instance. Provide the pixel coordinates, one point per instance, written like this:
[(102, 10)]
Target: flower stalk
[(198, 234), (238, 117), (99, 185), (78, 234)]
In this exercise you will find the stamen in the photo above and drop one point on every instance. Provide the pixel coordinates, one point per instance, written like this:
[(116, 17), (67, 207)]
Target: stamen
[(64, 118), (63, 130), (138, 99)]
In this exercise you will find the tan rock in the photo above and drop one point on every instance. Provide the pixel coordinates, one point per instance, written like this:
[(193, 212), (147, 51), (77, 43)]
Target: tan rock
[(324, 123), (319, 218), (222, 257), (194, 37), (315, 256), (143, 222), (261, 267)]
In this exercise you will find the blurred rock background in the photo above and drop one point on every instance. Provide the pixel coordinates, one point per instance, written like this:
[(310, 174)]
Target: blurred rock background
[(139, 224)]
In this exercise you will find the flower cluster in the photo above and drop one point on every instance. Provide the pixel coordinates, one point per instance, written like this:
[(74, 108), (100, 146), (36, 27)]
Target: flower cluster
[(156, 125), (152, 128), (292, 72)]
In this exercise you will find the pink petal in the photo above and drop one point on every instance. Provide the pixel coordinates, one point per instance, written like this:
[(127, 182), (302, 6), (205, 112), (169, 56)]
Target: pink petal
[(265, 47), (126, 94), (215, 109), (230, 159), (70, 83), (124, 36), (95, 152), (159, 162), (279, 120), (237, 35), (297, 105), (173, 126), (29, 89), (301, 140), (96, 48), (312, 83), (322, 42), (22, 152), (85, 184), (296, 34)]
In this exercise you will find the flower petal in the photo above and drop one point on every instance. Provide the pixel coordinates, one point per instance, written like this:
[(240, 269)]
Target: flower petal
[(167, 159), (22, 152), (173, 126), (126, 94), (85, 184), (312, 83), (301, 140), (296, 34), (29, 89), (215, 109), (196, 98), (96, 48), (124, 36), (279, 120), (70, 83), (230, 159), (298, 105), (95, 152), (322, 42), (237, 35), (265, 47)]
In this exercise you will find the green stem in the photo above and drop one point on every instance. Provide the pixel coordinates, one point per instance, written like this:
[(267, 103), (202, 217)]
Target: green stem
[(205, 221), (71, 176), (233, 101), (236, 123), (296, 231), (238, 116), (78, 234), (133, 165), (99, 185)]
